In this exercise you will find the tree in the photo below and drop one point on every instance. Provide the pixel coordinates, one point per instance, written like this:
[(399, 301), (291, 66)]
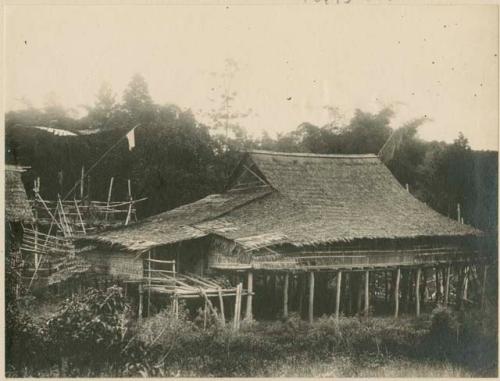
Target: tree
[(104, 107), (223, 115), (137, 103)]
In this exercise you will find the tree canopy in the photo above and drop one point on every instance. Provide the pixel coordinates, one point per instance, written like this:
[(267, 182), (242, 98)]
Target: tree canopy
[(177, 159)]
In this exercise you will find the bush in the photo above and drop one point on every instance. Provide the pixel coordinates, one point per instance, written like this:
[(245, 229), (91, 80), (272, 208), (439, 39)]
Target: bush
[(89, 330)]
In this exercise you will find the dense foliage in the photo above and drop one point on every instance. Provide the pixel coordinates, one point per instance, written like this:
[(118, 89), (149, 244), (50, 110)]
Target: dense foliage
[(178, 160), (92, 335)]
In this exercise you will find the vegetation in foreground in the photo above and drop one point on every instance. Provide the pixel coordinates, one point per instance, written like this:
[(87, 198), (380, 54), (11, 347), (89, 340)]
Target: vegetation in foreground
[(95, 334)]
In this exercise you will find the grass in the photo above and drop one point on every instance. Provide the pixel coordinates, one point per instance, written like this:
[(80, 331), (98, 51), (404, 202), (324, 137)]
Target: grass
[(375, 366), (444, 343)]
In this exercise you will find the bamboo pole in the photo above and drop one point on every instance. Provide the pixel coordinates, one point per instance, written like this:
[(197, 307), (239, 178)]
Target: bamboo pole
[(417, 291), (80, 217), (221, 302), (311, 296), (109, 196), (149, 282), (140, 301), (127, 220), (285, 296), (466, 283), (248, 312), (82, 182), (396, 293), (237, 308), (338, 294), (367, 292), (447, 285)]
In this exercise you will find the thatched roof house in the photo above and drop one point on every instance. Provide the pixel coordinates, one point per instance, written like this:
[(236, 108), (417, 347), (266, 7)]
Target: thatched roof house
[(296, 211), (17, 206)]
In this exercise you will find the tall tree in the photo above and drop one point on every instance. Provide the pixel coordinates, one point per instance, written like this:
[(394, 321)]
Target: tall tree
[(137, 102), (104, 107)]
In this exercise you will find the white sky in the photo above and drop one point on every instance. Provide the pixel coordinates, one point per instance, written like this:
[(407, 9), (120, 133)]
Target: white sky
[(439, 61)]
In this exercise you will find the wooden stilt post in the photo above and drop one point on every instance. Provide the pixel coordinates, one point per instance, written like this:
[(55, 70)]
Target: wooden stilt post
[(221, 304), (483, 287), (367, 292), (82, 182), (311, 296), (176, 306), (338, 294), (109, 197), (129, 212), (466, 282), (237, 307), (248, 312), (149, 283), (140, 301), (425, 289), (438, 284), (396, 293), (417, 291), (285, 296), (386, 287), (358, 288), (447, 285)]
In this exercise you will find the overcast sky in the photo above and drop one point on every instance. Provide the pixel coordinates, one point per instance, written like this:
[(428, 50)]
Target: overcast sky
[(439, 61)]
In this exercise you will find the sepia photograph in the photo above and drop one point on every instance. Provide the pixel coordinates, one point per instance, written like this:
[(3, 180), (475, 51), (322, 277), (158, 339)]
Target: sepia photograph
[(300, 188)]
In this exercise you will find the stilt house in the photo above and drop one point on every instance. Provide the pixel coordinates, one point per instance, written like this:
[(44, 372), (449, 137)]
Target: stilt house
[(297, 215)]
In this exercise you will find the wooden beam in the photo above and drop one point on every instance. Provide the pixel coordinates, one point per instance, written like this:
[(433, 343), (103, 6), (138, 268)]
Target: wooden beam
[(396, 293), (338, 294), (248, 312), (285, 296), (367, 292), (417, 291), (311, 297)]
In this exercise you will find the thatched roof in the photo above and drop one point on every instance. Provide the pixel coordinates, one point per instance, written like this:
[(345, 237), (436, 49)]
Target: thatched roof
[(178, 224), (310, 200), (17, 206)]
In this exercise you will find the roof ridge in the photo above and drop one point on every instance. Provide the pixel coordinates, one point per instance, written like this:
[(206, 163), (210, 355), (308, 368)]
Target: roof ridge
[(319, 155)]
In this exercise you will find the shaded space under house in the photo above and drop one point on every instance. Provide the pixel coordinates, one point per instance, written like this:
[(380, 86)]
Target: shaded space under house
[(340, 227)]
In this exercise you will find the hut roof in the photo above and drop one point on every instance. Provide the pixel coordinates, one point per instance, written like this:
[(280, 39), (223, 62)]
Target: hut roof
[(17, 206), (178, 224), (309, 200)]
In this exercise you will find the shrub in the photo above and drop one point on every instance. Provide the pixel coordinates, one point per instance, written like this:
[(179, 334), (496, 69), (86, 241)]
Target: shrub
[(89, 330)]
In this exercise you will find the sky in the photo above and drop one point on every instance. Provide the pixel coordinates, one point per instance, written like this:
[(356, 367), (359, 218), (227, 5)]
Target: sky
[(440, 62)]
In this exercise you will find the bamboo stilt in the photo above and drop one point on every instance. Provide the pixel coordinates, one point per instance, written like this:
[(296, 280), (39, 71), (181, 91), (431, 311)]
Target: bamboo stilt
[(109, 196), (338, 295), (367, 292), (311, 297), (140, 301), (417, 291), (285, 296), (248, 313), (221, 303), (447, 285), (396, 293)]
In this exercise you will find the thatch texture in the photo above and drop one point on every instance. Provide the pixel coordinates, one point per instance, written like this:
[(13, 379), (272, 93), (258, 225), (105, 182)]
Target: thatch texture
[(178, 224), (311, 200), (17, 206)]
